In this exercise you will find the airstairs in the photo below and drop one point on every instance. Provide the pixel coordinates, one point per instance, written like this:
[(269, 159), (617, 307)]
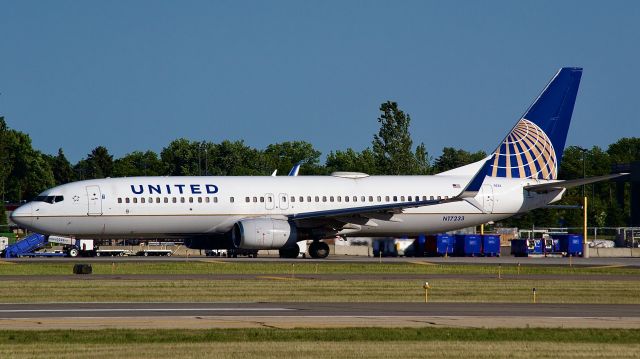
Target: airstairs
[(28, 244)]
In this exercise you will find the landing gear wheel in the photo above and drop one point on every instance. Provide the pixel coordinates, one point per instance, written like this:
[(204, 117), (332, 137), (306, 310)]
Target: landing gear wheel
[(290, 252), (319, 250)]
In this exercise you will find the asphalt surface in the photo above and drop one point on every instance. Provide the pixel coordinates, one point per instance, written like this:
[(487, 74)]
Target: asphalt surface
[(333, 276), (576, 261), (108, 310)]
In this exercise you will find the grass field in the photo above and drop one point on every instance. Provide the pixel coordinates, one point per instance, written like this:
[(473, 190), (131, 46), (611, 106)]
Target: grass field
[(285, 289), (208, 266), (316, 343)]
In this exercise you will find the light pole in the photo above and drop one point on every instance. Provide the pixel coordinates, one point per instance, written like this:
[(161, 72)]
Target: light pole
[(585, 250)]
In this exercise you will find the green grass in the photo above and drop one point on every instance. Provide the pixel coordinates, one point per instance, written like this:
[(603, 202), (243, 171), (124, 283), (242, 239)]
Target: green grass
[(204, 266), (307, 290), (124, 336)]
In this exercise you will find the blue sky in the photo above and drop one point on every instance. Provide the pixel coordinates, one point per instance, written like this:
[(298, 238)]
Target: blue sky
[(134, 75)]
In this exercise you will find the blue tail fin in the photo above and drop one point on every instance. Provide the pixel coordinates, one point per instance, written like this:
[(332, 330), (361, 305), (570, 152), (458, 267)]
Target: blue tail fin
[(533, 148)]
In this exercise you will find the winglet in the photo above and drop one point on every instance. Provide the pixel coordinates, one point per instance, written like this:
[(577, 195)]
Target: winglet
[(295, 169)]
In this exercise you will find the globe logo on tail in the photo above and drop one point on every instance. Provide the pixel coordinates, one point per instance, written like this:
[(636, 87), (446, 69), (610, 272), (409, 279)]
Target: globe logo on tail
[(526, 152)]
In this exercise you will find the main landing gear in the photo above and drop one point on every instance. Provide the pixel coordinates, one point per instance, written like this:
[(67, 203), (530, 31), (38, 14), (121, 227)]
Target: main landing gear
[(290, 252), (318, 249)]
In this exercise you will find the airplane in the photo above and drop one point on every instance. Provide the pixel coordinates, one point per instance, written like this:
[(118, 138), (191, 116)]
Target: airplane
[(270, 212)]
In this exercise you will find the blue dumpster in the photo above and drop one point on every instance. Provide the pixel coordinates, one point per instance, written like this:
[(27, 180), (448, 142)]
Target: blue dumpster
[(439, 245), (491, 245), (571, 244), (519, 248), (468, 245)]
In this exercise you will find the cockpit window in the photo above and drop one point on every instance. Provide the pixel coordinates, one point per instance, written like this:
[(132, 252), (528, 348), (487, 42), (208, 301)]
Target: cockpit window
[(49, 199)]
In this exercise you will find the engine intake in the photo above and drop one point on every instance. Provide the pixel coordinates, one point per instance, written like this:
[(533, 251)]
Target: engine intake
[(264, 233)]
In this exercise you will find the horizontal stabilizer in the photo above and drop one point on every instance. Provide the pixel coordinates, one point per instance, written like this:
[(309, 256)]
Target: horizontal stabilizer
[(554, 186)]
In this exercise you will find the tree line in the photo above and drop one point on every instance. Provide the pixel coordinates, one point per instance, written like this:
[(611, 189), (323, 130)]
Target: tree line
[(25, 171)]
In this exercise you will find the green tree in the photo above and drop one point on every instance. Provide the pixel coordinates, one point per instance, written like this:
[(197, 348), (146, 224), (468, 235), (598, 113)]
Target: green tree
[(392, 145), (453, 158), (99, 163), (62, 169), (138, 163), (5, 162), (283, 156), (352, 161), (237, 159), (180, 158)]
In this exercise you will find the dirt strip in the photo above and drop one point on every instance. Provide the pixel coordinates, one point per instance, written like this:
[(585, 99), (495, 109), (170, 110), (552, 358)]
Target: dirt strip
[(198, 322)]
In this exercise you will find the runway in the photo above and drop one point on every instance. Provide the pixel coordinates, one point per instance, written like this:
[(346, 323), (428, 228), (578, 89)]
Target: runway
[(286, 315), (632, 262), (321, 277)]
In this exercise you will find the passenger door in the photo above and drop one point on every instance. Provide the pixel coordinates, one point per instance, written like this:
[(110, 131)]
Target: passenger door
[(269, 202), (487, 198), (94, 201)]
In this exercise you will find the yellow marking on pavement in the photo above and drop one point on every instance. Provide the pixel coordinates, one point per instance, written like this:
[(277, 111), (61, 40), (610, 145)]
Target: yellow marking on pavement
[(213, 261), (423, 263), (609, 266)]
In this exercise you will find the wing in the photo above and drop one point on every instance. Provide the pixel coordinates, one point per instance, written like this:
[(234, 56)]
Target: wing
[(558, 185)]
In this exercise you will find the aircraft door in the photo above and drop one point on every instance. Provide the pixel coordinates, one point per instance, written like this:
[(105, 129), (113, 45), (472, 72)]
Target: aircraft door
[(269, 201), (94, 200), (284, 204), (487, 198)]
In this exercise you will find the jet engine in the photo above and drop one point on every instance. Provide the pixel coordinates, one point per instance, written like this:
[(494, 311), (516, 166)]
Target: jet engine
[(264, 233), (215, 241)]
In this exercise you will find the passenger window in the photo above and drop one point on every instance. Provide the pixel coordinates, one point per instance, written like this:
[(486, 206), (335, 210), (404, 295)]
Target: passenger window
[(362, 199), (181, 199), (174, 200), (370, 198), (301, 198), (255, 199), (166, 200), (424, 198), (331, 199), (142, 200), (355, 198), (379, 199), (269, 199), (386, 198), (199, 199), (190, 199), (231, 199), (339, 199), (207, 199), (346, 198), (324, 198), (59, 199), (410, 199), (431, 198), (119, 200), (308, 198), (135, 200), (439, 197), (401, 198), (215, 199), (246, 199), (284, 198), (261, 199), (150, 199), (126, 199), (395, 198)]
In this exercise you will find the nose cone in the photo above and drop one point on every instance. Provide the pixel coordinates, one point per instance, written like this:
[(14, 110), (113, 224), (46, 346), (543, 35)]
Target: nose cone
[(23, 215)]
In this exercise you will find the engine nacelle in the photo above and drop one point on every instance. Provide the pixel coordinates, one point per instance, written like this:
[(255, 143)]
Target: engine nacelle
[(264, 233), (216, 241)]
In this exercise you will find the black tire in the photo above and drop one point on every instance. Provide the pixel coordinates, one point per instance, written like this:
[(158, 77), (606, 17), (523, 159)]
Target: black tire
[(319, 250), (97, 254), (73, 252), (168, 254), (146, 254)]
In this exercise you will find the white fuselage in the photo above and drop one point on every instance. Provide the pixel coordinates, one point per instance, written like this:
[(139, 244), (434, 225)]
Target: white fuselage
[(173, 207)]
